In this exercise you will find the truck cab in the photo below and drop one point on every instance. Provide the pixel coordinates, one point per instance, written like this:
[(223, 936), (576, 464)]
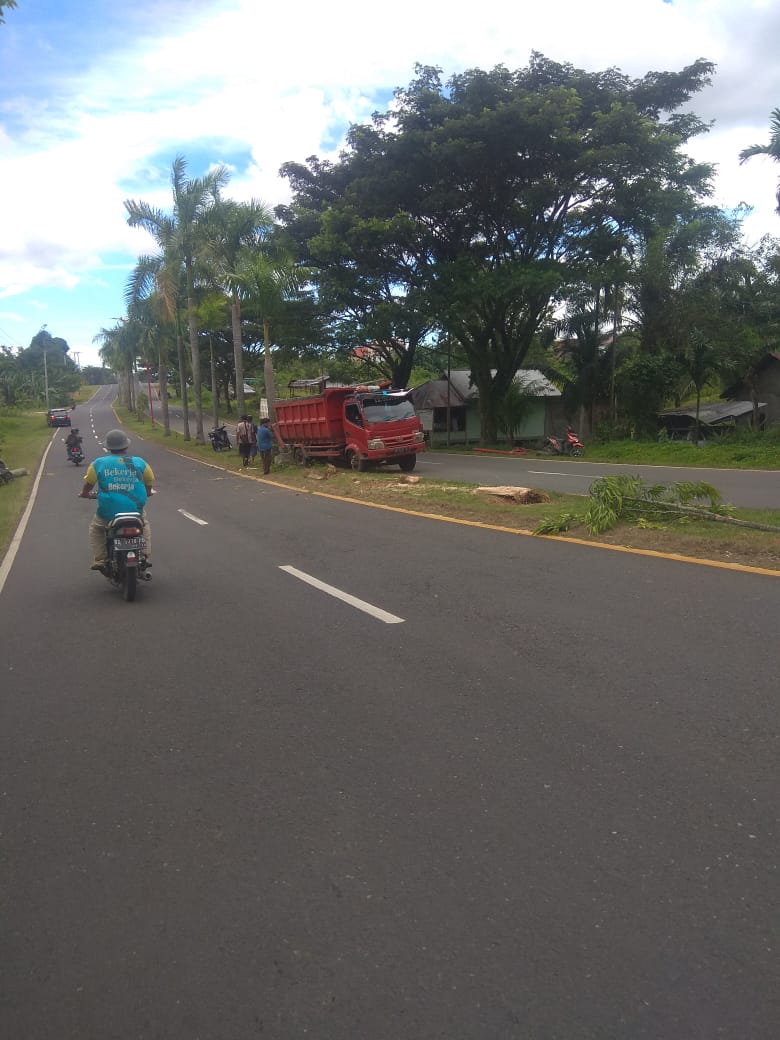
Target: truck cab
[(382, 426)]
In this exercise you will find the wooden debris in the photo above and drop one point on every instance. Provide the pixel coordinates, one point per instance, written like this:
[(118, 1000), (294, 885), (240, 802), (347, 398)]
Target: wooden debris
[(521, 495)]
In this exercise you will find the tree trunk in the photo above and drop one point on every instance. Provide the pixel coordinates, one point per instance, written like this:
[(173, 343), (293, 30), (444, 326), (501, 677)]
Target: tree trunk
[(698, 407), (185, 409), (238, 352), (268, 372), (488, 423), (162, 382), (195, 352), (214, 390)]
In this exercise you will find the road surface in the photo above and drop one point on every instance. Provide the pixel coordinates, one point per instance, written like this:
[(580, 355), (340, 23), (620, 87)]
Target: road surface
[(341, 773)]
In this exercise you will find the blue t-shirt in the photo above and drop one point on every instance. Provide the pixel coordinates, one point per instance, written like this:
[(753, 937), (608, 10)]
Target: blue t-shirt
[(120, 487), (265, 438)]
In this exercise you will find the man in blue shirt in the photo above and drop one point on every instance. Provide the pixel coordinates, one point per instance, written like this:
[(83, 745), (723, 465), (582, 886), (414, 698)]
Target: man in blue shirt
[(265, 443), (123, 484)]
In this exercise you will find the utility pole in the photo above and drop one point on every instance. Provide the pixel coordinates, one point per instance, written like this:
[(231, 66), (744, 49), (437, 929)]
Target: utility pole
[(45, 374), (45, 379)]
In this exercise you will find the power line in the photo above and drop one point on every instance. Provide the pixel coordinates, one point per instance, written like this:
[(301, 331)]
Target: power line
[(5, 332)]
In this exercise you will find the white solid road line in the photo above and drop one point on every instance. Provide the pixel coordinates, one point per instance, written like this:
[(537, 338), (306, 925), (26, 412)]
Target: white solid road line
[(195, 519), (16, 541), (353, 601)]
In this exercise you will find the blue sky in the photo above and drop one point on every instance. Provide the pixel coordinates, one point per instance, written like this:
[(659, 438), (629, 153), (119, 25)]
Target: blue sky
[(97, 97)]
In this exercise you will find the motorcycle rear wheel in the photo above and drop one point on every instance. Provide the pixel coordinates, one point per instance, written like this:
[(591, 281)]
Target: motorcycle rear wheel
[(129, 580)]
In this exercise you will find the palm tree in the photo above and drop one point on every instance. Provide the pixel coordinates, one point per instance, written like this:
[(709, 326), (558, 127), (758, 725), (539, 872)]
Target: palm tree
[(270, 281), (699, 360), (118, 352), (772, 149), (152, 295), (212, 316), (232, 229), (179, 235)]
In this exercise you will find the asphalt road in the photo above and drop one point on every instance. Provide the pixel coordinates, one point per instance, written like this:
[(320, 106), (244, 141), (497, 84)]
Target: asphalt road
[(513, 788), (757, 489)]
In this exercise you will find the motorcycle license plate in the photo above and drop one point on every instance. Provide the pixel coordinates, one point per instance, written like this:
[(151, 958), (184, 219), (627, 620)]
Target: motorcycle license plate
[(129, 543)]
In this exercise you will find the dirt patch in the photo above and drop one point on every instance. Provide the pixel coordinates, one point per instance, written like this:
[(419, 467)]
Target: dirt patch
[(747, 548)]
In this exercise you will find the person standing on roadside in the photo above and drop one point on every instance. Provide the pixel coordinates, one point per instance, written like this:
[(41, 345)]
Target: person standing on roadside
[(245, 438), (265, 443)]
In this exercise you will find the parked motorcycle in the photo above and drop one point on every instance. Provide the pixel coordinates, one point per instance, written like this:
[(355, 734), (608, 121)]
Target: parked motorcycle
[(75, 455), (568, 444), (6, 476), (220, 441)]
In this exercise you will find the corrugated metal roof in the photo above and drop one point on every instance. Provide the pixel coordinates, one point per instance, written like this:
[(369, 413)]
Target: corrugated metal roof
[(712, 413), (434, 393)]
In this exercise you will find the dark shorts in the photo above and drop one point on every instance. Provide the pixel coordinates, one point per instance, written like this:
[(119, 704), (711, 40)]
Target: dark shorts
[(244, 450)]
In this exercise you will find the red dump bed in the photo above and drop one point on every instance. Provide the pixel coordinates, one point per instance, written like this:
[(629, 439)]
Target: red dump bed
[(313, 420)]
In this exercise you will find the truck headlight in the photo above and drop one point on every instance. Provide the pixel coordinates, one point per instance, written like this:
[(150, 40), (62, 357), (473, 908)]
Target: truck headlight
[(419, 435), (376, 444)]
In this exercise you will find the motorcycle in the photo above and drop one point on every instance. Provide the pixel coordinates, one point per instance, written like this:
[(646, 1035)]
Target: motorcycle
[(75, 454), (125, 560), (569, 444), (125, 544), (6, 476), (220, 441)]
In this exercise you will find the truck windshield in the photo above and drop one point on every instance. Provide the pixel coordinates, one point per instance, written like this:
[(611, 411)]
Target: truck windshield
[(384, 409)]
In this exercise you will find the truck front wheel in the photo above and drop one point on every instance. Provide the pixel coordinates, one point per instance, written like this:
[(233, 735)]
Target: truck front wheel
[(355, 462), (407, 463)]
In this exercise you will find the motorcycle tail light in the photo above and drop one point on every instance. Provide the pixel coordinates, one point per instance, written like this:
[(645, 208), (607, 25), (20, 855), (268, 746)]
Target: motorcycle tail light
[(130, 532)]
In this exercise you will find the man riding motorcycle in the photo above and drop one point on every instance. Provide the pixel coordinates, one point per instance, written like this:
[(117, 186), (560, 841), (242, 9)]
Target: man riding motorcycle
[(123, 484), (73, 440)]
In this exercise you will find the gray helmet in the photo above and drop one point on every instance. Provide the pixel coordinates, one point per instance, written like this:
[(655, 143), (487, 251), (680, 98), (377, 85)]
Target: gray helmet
[(117, 440)]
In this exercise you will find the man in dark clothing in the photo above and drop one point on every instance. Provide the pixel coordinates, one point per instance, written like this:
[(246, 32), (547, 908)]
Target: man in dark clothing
[(245, 438), (73, 440)]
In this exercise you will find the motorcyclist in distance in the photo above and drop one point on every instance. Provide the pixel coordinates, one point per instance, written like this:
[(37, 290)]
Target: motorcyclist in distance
[(73, 440), (123, 485)]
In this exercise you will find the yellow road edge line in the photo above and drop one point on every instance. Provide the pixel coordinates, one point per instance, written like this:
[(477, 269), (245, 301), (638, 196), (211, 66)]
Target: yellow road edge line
[(743, 568)]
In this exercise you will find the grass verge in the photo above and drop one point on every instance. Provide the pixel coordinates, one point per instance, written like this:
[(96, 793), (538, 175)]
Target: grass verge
[(695, 538), (23, 439), (744, 450)]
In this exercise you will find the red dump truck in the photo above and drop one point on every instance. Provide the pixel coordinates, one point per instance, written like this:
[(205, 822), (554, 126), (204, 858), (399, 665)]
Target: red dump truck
[(362, 425)]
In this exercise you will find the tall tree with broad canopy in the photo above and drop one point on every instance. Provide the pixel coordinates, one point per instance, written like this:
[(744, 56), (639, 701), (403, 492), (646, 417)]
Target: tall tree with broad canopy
[(363, 282), (181, 233), (491, 192)]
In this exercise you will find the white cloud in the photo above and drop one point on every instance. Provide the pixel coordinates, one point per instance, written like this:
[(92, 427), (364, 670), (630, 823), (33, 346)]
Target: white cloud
[(281, 82)]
